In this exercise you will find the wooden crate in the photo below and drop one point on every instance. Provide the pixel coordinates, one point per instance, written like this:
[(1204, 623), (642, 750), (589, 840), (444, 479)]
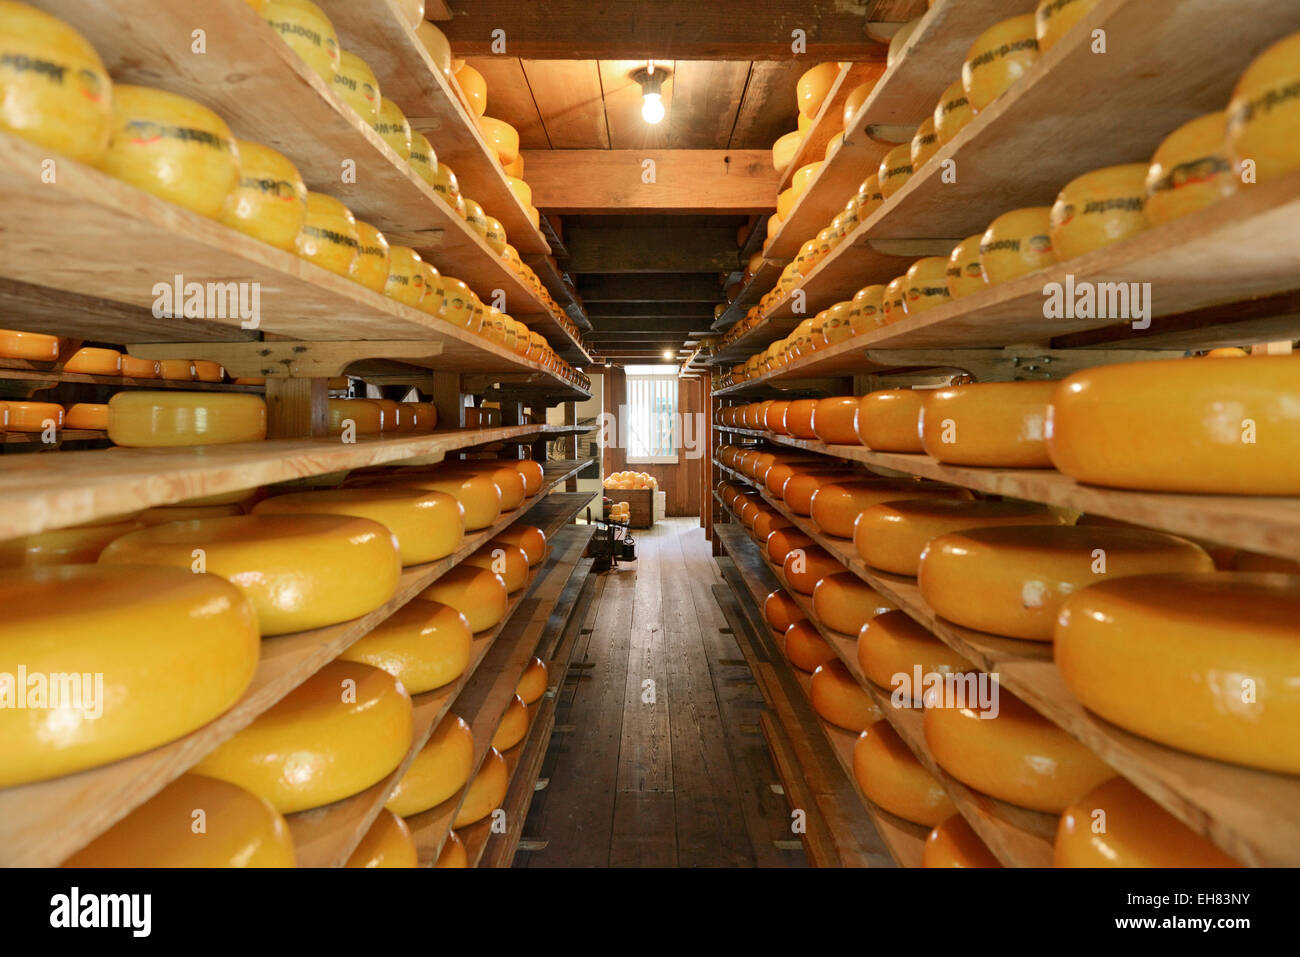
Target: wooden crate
[(640, 503)]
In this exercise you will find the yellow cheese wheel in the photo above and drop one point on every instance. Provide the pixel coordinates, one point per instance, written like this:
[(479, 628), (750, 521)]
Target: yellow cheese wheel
[(891, 776), (134, 368), (952, 112), (173, 147), (474, 87), (388, 843), (1099, 208), (478, 494), (93, 361), (453, 852), (160, 419), (423, 415), (370, 268), (954, 843), (476, 217), (997, 424), (838, 327), (495, 235), (329, 236), (477, 593), (508, 561), (805, 647), (523, 192), (892, 645), (177, 369), (32, 346), (999, 57), (785, 201), (486, 792), (895, 169), (435, 44), (924, 144), (532, 686), (898, 42), (502, 138), (427, 525), (1207, 426), (784, 150), (892, 535), (406, 279), (870, 198), (838, 698), (30, 416), (362, 416), (162, 514), (887, 420), (781, 611), (206, 371), (508, 479), (1263, 114), (1012, 581), (424, 644), (925, 285), (238, 829), (356, 86), (1116, 825), (782, 541), (832, 420), (843, 602), (77, 545), (804, 567), (438, 771), (1017, 243), (853, 102), (964, 276), (121, 624), (1017, 756), (528, 537), (298, 571), (1189, 170), (800, 487), (836, 505), (393, 128), (813, 87), (424, 160), (309, 33), (1054, 18), (892, 300), (1219, 651), (57, 93), (513, 726)]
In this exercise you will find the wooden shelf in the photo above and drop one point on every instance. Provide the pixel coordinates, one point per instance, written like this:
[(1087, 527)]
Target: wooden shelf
[(1259, 524), (36, 381), (769, 271), (63, 435)]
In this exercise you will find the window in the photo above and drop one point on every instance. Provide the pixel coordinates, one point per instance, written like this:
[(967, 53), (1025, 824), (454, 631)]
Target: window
[(651, 413)]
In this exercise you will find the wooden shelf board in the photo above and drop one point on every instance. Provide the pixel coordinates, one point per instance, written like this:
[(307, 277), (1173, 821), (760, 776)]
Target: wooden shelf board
[(49, 379), (769, 271)]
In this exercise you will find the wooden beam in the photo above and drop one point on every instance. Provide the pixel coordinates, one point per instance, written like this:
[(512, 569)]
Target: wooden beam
[(649, 325), (677, 287), (652, 249), (611, 310), (681, 181)]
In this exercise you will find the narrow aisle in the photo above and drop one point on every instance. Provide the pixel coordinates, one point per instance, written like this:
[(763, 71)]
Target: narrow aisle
[(657, 759)]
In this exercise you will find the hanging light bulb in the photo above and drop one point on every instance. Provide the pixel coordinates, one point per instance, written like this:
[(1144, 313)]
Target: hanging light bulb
[(652, 81), (652, 108)]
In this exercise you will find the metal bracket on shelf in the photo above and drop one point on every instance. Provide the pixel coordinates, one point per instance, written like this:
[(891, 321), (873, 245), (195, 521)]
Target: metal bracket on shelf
[(890, 133), (291, 358)]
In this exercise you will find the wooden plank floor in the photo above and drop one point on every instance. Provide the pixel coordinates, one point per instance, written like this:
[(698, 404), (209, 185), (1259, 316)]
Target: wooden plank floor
[(658, 759)]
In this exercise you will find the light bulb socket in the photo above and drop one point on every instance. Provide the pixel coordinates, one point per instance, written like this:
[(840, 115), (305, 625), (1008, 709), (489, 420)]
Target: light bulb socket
[(651, 82)]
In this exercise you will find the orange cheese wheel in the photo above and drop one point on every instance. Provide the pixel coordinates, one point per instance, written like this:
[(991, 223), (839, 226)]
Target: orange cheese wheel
[(1054, 18), (867, 309), (298, 571), (853, 102), (805, 647), (774, 417), (143, 419), (999, 57), (342, 730), (474, 87), (783, 468), (1190, 170), (438, 771), (388, 843), (1013, 580), (1000, 424), (532, 686), (952, 112), (839, 699), (134, 368), (508, 561), (832, 420), (453, 852), (767, 523), (513, 726), (781, 542), (1017, 756), (837, 505), (508, 480), (893, 645), (888, 420), (1099, 208), (1207, 426), (892, 535), (800, 488), (891, 776), (814, 86), (924, 144), (80, 544), (424, 645), (785, 149), (486, 792), (964, 276), (528, 537), (1219, 650), (477, 492), (804, 567), (361, 416), (32, 346), (954, 843), (781, 611), (843, 602), (532, 473), (799, 418), (892, 300), (925, 285), (181, 370), (240, 829), (33, 416), (92, 361), (206, 371), (1017, 243), (477, 593), (1263, 116)]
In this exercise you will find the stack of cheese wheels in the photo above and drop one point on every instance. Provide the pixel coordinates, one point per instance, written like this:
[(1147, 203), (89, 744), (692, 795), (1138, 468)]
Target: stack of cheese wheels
[(1012, 580), (508, 561), (453, 852), (804, 567), (479, 594), (804, 646), (297, 571), (80, 544), (1202, 662), (143, 419), (780, 611), (953, 843), (340, 731), (388, 843), (836, 505), (513, 726), (120, 623), (892, 535), (427, 525), (1000, 424), (528, 537), (838, 698), (486, 792), (990, 740), (1137, 833), (438, 771), (843, 602), (424, 645), (240, 829), (532, 686), (897, 653), (1207, 426), (891, 776)]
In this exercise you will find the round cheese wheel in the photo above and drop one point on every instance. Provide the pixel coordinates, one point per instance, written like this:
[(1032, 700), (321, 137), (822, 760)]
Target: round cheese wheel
[(838, 698), (143, 419), (813, 87), (837, 505), (1263, 115), (393, 128), (181, 370), (999, 57), (774, 416), (162, 514), (424, 645), (803, 176), (342, 730), (513, 726), (406, 279), (502, 138), (845, 603), (1116, 825), (1219, 649), (239, 829), (530, 538), (32, 346), (80, 544), (508, 561), (453, 852), (205, 371), (121, 624), (1207, 426), (1099, 208), (477, 593), (438, 771), (1013, 580), (891, 776), (508, 479), (356, 86), (1189, 170), (270, 202), (952, 112), (926, 285), (532, 686), (486, 792), (999, 424), (892, 535), (134, 368), (964, 276), (476, 217), (870, 197), (362, 416), (426, 525), (888, 420), (784, 468), (895, 169), (800, 487), (309, 33), (297, 571), (423, 416), (784, 540), (1054, 18), (838, 327), (805, 647), (833, 420), (785, 149), (329, 236), (474, 87), (799, 418), (33, 416), (435, 44), (853, 102), (781, 611), (892, 300), (954, 843), (424, 160), (1017, 243), (477, 492), (767, 523), (924, 144), (1015, 755), (804, 567), (523, 192), (893, 645), (388, 843), (92, 361), (370, 268), (532, 472)]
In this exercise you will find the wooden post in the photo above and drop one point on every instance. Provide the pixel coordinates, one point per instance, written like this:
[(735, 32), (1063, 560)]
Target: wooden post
[(296, 408), (449, 400), (537, 416), (571, 442)]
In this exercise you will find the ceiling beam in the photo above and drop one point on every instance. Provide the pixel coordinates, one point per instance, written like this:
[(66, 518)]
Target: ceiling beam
[(672, 287), (671, 29), (652, 249), (645, 327), (613, 310), (683, 181)]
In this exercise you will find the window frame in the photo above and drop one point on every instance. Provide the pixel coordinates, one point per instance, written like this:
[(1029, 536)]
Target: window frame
[(675, 457)]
